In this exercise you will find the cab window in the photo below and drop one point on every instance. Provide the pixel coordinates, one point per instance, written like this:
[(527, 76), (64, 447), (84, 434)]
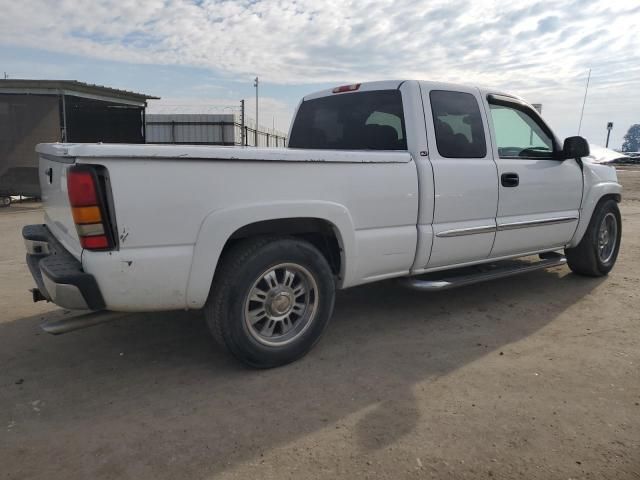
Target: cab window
[(372, 120), (518, 134), (458, 125)]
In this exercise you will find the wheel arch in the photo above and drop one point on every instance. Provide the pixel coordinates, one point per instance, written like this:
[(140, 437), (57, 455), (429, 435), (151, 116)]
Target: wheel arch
[(596, 194), (327, 225)]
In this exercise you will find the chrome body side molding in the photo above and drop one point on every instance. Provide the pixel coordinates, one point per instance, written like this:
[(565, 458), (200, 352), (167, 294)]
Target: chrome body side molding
[(458, 232), (536, 223)]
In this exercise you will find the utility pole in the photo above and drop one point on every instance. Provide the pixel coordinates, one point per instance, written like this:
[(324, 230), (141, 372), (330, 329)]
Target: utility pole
[(6, 75), (584, 101), (609, 128), (255, 84), (242, 139)]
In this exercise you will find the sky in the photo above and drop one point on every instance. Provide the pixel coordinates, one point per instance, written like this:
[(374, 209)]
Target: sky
[(202, 55)]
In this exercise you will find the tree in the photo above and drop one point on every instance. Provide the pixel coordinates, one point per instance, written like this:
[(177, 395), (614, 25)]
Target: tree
[(632, 139)]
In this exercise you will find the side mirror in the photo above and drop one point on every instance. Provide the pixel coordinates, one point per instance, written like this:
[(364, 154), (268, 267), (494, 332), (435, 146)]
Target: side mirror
[(575, 147)]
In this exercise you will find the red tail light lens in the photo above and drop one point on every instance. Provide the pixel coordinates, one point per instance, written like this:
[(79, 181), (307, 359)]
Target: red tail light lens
[(82, 188), (99, 242), (87, 208)]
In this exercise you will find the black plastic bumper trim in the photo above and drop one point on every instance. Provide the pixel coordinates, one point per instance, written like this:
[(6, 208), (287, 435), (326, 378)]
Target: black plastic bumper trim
[(60, 267)]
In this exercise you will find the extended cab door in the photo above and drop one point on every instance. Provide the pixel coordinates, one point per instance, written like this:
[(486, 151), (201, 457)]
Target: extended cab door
[(540, 194), (464, 175)]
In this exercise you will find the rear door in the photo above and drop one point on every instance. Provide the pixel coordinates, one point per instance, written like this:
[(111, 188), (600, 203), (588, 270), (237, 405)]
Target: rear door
[(464, 175), (540, 195)]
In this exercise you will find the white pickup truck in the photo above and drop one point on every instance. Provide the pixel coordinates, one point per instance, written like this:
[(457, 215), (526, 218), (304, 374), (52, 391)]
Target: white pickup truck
[(440, 184)]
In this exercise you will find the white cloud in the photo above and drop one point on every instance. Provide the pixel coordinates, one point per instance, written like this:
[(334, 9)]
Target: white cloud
[(539, 49)]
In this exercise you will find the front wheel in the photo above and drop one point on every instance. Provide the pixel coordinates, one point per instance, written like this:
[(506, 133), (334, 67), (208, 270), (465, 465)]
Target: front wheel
[(597, 252), (271, 300), (5, 202)]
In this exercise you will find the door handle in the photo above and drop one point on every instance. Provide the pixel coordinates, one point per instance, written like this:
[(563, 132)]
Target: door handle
[(510, 179)]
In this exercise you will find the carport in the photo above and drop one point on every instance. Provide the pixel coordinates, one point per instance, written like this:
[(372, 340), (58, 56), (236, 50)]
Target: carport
[(37, 111)]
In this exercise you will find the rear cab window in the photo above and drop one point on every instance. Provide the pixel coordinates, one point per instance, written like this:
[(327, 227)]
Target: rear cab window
[(458, 124), (371, 120)]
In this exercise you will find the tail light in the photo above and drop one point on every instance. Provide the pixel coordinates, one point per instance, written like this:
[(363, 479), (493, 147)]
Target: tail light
[(346, 88), (89, 209)]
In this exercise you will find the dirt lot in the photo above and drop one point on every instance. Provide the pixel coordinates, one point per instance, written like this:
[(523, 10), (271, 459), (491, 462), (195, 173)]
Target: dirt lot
[(535, 377)]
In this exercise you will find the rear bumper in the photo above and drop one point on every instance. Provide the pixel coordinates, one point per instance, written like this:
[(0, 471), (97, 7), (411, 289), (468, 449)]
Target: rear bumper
[(58, 274)]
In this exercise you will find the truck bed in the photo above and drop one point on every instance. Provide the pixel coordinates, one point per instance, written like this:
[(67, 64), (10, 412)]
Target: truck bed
[(176, 207)]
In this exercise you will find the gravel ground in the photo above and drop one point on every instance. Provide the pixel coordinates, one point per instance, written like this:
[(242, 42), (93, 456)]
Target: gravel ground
[(535, 377)]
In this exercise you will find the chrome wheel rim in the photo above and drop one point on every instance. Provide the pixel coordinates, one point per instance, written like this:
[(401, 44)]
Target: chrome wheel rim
[(607, 237), (281, 304)]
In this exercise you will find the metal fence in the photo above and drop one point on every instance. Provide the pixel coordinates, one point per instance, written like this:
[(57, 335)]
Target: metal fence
[(209, 129), (249, 137)]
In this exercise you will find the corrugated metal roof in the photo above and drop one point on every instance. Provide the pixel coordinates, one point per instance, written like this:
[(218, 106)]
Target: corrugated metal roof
[(72, 86)]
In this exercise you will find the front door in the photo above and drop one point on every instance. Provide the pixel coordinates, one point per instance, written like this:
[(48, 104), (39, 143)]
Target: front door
[(464, 176), (539, 195)]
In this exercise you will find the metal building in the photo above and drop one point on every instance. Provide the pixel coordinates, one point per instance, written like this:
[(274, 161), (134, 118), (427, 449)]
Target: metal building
[(37, 111), (210, 129)]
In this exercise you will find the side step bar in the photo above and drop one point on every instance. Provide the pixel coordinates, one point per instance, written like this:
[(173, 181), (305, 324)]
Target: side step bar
[(481, 273), (68, 321)]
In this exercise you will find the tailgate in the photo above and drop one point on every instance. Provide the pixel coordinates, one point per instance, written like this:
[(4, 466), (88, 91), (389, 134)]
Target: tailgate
[(57, 211)]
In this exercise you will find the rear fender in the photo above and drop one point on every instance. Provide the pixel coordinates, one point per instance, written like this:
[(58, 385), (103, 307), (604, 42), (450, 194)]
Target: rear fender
[(219, 225)]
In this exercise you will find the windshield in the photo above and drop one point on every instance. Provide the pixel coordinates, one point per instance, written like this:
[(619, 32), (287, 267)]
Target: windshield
[(355, 121)]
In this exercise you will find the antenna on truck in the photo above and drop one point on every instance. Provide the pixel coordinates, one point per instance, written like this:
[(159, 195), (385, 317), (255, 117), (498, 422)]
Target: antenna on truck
[(586, 89)]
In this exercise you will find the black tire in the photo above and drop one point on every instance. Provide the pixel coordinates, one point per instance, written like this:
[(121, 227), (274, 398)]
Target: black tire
[(5, 201), (585, 258), (241, 271)]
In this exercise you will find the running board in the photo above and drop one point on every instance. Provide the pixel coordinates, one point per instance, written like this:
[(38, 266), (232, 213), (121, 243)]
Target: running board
[(69, 321), (480, 273)]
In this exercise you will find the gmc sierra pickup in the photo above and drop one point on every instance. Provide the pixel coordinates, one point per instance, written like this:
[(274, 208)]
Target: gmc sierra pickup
[(441, 184)]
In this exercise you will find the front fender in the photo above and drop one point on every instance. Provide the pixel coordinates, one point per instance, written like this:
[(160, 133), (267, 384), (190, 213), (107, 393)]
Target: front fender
[(599, 180), (219, 225)]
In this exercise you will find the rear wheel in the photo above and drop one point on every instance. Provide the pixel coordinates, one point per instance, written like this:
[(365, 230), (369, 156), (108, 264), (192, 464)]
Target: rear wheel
[(597, 252), (5, 202), (271, 300)]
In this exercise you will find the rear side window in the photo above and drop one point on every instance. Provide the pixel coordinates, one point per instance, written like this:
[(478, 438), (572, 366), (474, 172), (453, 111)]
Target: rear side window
[(458, 125), (352, 121)]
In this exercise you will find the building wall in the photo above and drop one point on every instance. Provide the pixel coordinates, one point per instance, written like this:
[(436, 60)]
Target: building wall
[(208, 129), (25, 121)]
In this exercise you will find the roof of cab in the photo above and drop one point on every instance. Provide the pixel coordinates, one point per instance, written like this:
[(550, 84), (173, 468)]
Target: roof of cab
[(394, 84)]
